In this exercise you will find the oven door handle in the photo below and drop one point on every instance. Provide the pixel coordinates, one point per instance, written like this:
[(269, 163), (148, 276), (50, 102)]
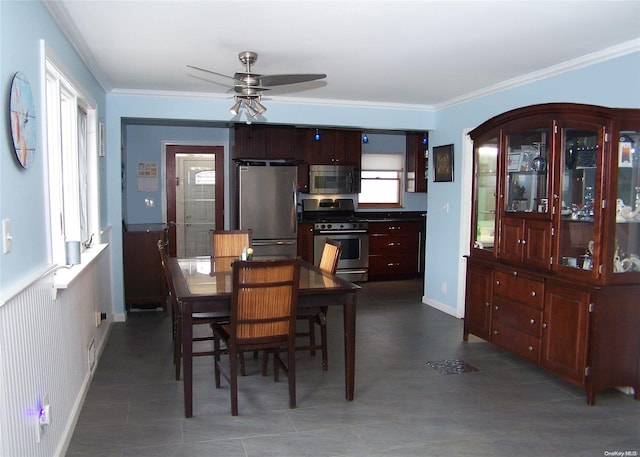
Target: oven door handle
[(340, 232)]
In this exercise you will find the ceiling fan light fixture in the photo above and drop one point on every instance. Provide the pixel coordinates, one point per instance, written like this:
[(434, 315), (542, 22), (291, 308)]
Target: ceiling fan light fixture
[(235, 109), (259, 107), (250, 109)]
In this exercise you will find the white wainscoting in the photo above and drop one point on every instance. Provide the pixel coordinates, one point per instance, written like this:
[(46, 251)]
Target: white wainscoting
[(44, 351)]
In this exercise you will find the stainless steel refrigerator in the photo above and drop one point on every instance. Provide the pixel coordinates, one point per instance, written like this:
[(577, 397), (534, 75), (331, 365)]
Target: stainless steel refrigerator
[(267, 205)]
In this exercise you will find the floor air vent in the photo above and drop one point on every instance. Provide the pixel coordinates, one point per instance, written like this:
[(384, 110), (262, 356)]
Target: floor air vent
[(451, 366)]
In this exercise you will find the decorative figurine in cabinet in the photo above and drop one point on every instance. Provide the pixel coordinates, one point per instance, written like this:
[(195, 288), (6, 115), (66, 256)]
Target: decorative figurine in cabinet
[(556, 228)]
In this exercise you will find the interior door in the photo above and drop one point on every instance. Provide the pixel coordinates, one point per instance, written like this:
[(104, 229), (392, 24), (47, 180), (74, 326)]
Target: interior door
[(195, 192), (195, 204)]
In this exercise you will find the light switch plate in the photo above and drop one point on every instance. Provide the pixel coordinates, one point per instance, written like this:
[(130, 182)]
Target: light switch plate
[(6, 236)]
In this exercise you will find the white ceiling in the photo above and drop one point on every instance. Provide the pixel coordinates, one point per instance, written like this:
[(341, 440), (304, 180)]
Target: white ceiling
[(417, 53)]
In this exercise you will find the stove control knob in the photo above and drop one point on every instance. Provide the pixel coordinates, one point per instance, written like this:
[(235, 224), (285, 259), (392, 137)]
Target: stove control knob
[(329, 226)]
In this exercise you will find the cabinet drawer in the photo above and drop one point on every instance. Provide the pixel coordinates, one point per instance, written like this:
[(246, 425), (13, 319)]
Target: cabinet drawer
[(393, 227), (393, 244), (517, 316), (511, 285), (388, 265), (521, 343)]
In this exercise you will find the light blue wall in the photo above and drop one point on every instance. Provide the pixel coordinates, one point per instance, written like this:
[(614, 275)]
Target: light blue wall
[(23, 191), (144, 143), (614, 83)]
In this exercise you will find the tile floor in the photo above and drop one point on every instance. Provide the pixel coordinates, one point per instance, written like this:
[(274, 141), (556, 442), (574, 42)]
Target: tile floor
[(403, 407)]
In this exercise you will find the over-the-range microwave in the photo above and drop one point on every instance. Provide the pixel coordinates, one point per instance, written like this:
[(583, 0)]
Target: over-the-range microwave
[(334, 179)]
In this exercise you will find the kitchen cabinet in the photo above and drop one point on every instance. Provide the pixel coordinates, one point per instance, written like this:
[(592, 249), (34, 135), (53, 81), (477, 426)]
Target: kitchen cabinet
[(335, 146), (556, 229), (250, 141), (478, 296), (394, 249), (144, 282), (305, 241), (417, 161)]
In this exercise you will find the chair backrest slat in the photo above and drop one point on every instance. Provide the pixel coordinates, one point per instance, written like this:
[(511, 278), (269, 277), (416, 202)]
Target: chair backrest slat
[(229, 243), (265, 298)]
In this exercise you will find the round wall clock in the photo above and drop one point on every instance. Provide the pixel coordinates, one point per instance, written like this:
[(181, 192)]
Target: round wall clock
[(23, 119)]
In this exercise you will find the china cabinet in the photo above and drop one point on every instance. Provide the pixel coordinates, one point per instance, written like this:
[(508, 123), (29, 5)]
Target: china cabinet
[(554, 267)]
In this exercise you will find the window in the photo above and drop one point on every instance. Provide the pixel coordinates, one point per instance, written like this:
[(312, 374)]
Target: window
[(381, 181), (71, 150)]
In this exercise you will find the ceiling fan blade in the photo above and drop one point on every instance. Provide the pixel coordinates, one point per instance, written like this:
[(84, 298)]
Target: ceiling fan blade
[(279, 80), (212, 72)]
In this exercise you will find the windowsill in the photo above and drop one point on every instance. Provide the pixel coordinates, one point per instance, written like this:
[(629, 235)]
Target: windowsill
[(63, 277)]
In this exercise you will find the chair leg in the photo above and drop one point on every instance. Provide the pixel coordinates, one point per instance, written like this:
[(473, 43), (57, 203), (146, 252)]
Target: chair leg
[(216, 358), (325, 355), (233, 381), (177, 348), (312, 337), (291, 375)]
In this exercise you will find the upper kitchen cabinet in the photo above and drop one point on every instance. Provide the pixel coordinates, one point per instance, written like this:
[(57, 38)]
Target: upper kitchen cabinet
[(331, 146), (259, 141), (250, 141), (417, 161), (556, 228)]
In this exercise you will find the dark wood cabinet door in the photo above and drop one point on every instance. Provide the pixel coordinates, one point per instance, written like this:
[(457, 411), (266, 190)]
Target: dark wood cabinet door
[(305, 241), (348, 147), (537, 244), (510, 244), (564, 331), (250, 141), (477, 313), (144, 282), (281, 142)]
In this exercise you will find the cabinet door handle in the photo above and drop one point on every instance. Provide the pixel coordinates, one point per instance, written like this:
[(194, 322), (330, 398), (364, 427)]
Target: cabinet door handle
[(515, 273), (524, 241), (532, 321), (495, 332), (497, 283), (533, 293), (530, 348), (544, 325), (487, 304), (497, 308)]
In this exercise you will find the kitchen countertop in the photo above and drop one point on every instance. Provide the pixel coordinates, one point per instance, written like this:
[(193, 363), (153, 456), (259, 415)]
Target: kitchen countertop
[(380, 216)]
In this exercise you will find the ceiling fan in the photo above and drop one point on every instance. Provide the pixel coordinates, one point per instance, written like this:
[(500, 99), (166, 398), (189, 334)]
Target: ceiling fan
[(248, 86)]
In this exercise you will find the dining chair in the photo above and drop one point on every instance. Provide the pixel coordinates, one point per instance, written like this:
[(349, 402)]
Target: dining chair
[(329, 259), (176, 320), (229, 243), (264, 301)]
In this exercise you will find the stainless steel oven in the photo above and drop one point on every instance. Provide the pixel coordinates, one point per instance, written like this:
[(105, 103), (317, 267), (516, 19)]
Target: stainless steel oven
[(354, 236)]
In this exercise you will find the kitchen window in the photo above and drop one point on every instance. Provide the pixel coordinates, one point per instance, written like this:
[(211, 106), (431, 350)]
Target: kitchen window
[(381, 181), (71, 150)]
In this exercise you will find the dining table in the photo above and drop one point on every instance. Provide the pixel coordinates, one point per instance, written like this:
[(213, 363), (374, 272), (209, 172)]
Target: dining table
[(204, 284)]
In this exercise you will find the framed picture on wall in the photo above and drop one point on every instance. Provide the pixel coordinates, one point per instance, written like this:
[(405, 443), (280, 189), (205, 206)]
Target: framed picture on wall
[(443, 161)]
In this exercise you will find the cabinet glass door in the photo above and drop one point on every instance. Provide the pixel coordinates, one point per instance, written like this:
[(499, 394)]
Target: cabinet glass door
[(484, 217), (526, 188), (626, 257), (579, 195)]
